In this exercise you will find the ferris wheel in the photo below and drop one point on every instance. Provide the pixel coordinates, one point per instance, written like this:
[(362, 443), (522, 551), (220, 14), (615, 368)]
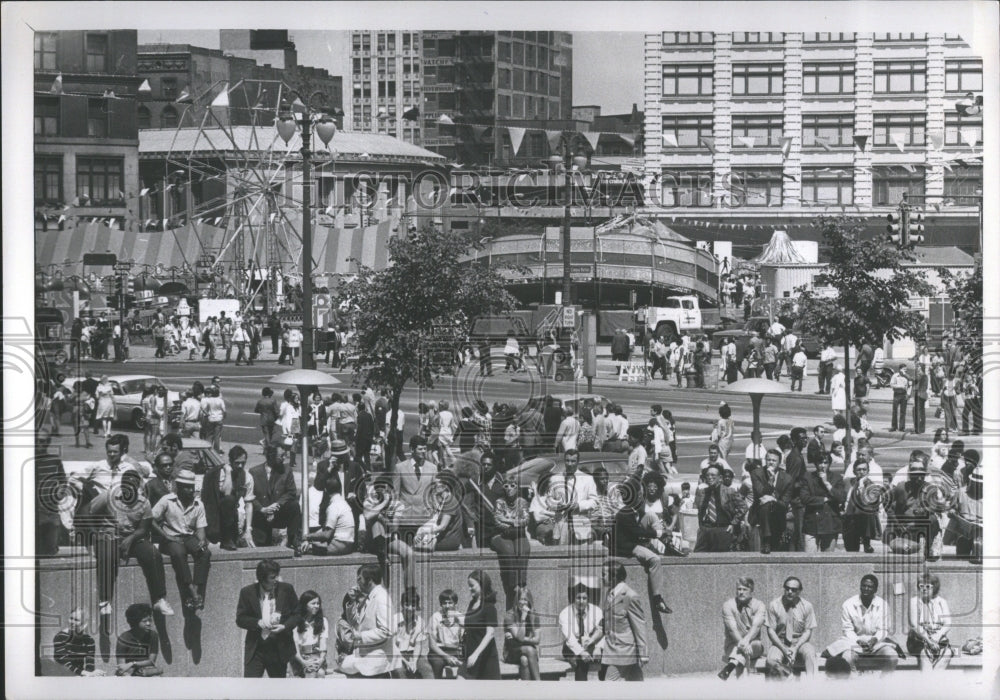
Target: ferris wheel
[(238, 184)]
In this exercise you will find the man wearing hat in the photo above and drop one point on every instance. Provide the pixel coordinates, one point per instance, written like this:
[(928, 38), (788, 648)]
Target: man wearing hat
[(276, 502), (908, 511), (179, 520), (900, 385)]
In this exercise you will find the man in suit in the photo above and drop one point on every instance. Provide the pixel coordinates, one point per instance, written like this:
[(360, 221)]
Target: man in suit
[(411, 481), (634, 536), (267, 611), (815, 449), (795, 466), (920, 386), (772, 494), (221, 492), (371, 637), (365, 435), (624, 627), (720, 508), (276, 498)]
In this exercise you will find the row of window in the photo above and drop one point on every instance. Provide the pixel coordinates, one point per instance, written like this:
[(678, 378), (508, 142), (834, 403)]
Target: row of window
[(95, 51), (386, 41), (835, 130), (98, 180), (762, 187), (696, 79), (698, 38), (527, 107), (527, 55), (528, 81)]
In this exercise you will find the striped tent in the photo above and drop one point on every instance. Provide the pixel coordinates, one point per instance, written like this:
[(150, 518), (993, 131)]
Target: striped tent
[(332, 247)]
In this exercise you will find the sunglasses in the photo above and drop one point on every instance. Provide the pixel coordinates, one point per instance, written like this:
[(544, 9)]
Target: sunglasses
[(792, 589)]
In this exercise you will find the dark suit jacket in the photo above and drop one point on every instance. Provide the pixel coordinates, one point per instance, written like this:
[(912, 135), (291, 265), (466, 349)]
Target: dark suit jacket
[(783, 490), (279, 489), (624, 629), (629, 532), (248, 617), (733, 505), (814, 451), (211, 496), (795, 466), (821, 517), (366, 428)]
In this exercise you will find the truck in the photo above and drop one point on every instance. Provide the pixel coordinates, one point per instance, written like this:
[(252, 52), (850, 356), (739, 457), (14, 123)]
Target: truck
[(760, 324), (678, 315)]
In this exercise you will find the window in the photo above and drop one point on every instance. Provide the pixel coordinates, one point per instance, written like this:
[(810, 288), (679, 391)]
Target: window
[(757, 188), (889, 184), (503, 51), (757, 79), (406, 41), (964, 185), (356, 66), (543, 57), (381, 42), (99, 179), (529, 55), (168, 88), (688, 131), (825, 37), (900, 37), (827, 78), (764, 129), (687, 79), (366, 65), (832, 129), (518, 79), (366, 42), (688, 37), (554, 85), (503, 106), (143, 117), (543, 83), (518, 106), (45, 50), (97, 118), (687, 188), (826, 187), (900, 76), (955, 124), (47, 116), (963, 76), (97, 53), (890, 127), (168, 117), (356, 42), (758, 37), (390, 41), (518, 53), (48, 180)]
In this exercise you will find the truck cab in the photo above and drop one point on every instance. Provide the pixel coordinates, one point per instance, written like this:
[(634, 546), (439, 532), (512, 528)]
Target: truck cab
[(678, 315)]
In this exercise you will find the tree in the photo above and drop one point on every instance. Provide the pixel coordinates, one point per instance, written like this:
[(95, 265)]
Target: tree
[(966, 294), (873, 288), (420, 305)]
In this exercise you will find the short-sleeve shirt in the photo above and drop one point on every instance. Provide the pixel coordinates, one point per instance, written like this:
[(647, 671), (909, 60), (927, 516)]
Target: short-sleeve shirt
[(409, 641), (447, 635), (792, 623), (743, 617), (308, 641), (125, 518), (175, 520), (132, 647)]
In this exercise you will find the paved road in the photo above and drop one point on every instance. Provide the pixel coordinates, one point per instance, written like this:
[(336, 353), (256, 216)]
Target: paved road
[(694, 410)]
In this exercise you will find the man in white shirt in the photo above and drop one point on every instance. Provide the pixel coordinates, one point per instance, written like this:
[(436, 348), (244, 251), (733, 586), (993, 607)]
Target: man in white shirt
[(580, 624), (241, 339), (827, 357), (865, 644), (714, 460), (372, 654), (867, 453), (788, 344), (569, 430), (775, 330), (799, 362), (637, 455), (576, 493)]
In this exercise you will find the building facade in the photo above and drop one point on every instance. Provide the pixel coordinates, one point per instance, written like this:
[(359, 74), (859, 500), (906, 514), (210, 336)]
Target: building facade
[(754, 127), (386, 75), (85, 134)]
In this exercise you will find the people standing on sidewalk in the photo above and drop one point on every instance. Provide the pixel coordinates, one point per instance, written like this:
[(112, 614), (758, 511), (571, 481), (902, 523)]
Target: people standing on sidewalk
[(241, 339), (827, 357), (106, 407), (799, 362), (949, 397), (900, 385), (724, 430), (973, 404), (866, 355), (286, 348), (920, 389), (836, 386), (213, 413), (268, 611)]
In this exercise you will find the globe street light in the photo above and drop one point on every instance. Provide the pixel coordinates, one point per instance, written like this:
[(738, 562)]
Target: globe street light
[(305, 119)]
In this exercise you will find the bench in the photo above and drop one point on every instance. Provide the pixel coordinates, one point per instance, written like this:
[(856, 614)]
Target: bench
[(548, 669), (964, 662)]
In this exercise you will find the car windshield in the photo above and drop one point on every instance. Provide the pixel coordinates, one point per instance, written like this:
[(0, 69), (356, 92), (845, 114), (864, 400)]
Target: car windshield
[(135, 386)]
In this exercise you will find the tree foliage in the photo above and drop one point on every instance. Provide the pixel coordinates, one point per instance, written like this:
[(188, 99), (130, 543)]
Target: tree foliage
[(966, 294), (409, 315), (873, 287)]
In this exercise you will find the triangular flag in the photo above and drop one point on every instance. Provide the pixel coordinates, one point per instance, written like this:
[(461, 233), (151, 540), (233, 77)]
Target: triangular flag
[(144, 191), (709, 143), (222, 99), (592, 138), (446, 120), (62, 218), (670, 139), (185, 96), (790, 176), (56, 88), (111, 224), (516, 136), (899, 138), (786, 145), (478, 130), (630, 140), (824, 143), (937, 139), (145, 87), (908, 168), (970, 136), (861, 140), (747, 141), (412, 114)]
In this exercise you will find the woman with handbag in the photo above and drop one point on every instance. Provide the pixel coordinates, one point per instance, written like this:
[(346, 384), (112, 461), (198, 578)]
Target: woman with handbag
[(930, 621), (138, 647), (522, 633)]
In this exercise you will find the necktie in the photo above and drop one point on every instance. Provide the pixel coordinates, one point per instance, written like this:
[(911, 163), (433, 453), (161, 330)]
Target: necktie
[(710, 511), (227, 481), (416, 471), (579, 625)]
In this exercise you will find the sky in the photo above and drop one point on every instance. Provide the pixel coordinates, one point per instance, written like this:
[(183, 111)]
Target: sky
[(607, 66)]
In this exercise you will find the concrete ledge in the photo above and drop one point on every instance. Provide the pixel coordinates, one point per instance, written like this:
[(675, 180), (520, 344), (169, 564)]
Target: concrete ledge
[(548, 669)]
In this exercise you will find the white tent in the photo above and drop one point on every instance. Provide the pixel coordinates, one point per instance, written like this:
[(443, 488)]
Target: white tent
[(780, 249)]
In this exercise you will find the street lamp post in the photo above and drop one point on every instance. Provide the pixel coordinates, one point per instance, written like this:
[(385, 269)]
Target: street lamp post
[(325, 129), (570, 162)]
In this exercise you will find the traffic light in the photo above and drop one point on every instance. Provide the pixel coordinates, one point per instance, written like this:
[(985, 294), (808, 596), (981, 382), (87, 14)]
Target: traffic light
[(915, 228), (895, 227), (130, 287), (118, 287)]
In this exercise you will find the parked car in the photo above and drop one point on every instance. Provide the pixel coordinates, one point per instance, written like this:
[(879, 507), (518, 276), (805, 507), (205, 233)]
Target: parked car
[(128, 396)]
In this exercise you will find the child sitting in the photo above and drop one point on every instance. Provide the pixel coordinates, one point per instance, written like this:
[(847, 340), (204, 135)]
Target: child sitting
[(445, 637)]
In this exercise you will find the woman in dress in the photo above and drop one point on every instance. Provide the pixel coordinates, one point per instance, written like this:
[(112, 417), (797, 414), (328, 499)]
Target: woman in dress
[(151, 413), (105, 395), (723, 432), (310, 637), (478, 641), (288, 414), (522, 633), (930, 620), (949, 405)]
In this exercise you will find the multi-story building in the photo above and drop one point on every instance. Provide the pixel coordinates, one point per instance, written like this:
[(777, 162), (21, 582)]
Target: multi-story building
[(86, 140), (386, 75), (747, 132), (478, 79)]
